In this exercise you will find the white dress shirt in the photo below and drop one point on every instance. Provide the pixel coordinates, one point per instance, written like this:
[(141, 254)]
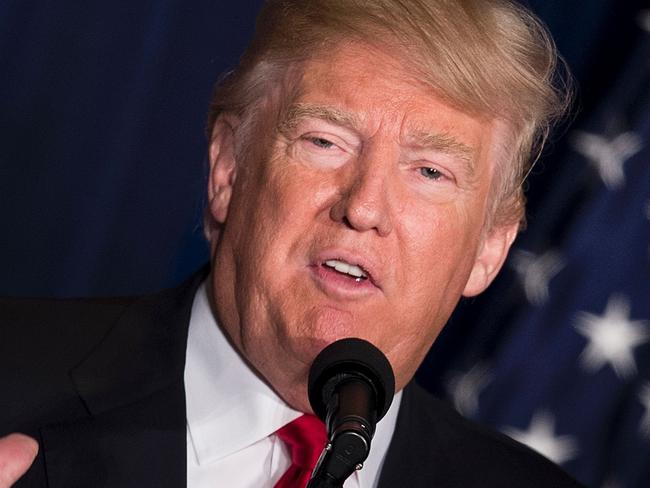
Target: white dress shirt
[(232, 416)]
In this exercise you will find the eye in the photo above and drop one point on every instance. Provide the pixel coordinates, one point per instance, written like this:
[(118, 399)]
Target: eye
[(431, 173), (320, 142), (321, 150)]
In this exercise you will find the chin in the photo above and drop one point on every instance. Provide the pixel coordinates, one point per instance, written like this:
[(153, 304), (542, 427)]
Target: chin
[(305, 349)]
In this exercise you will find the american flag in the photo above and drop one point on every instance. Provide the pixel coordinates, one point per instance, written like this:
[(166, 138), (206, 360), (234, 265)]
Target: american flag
[(557, 353)]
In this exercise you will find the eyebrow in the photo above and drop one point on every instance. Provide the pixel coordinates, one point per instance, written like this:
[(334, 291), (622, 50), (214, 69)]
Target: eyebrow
[(438, 141), (299, 111), (445, 143)]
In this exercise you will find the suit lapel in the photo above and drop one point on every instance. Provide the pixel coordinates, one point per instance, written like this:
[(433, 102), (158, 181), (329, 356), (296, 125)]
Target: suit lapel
[(132, 386)]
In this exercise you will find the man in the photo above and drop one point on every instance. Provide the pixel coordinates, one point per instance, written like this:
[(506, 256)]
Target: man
[(366, 162)]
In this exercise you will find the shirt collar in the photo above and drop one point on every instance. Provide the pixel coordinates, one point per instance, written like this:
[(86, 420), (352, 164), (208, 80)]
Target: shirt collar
[(228, 407)]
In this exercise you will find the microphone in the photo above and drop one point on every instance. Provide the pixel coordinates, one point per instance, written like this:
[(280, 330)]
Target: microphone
[(351, 386)]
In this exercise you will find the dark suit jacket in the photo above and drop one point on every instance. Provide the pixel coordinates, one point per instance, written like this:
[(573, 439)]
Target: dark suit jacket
[(99, 383)]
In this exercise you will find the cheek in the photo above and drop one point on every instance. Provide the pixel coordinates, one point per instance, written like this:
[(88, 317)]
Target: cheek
[(264, 204), (276, 210), (437, 253), (291, 191), (434, 237)]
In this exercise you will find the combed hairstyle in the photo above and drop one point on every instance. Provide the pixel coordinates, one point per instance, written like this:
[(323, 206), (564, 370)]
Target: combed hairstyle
[(489, 58)]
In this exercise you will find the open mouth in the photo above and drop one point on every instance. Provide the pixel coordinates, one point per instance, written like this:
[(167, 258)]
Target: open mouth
[(351, 270)]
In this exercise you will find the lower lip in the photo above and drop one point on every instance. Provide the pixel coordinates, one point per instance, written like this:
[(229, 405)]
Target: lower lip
[(331, 281)]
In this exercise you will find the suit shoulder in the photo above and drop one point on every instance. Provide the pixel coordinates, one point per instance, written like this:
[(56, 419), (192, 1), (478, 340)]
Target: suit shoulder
[(53, 349), (461, 450)]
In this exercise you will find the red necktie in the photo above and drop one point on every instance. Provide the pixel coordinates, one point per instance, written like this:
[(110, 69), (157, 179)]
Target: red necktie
[(305, 437)]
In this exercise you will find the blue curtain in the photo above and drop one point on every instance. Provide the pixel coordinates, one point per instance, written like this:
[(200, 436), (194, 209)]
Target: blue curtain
[(102, 147)]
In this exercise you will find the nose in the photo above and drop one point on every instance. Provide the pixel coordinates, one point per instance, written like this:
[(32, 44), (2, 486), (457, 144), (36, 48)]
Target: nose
[(364, 203)]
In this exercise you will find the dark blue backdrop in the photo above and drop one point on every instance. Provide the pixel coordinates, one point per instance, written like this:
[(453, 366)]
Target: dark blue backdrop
[(102, 152), (102, 177)]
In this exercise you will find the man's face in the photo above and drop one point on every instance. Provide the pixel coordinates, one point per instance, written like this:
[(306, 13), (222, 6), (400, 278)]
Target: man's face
[(361, 215)]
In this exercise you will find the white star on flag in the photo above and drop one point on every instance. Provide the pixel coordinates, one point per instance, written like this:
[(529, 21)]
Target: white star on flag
[(541, 437), (465, 388), (644, 396), (611, 337), (535, 273), (608, 155)]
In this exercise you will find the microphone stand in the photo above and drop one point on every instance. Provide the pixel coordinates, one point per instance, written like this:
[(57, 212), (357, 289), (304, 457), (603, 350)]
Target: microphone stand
[(350, 426)]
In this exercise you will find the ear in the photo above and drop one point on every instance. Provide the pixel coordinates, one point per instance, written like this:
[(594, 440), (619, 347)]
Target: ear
[(490, 258), (223, 167)]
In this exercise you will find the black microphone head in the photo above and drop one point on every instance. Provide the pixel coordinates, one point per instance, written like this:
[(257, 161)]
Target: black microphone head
[(351, 356)]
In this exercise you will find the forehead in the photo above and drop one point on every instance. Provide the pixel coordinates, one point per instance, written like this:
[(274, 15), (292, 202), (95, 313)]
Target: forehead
[(373, 90)]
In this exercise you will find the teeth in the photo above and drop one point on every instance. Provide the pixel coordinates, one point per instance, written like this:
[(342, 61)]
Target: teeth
[(343, 267)]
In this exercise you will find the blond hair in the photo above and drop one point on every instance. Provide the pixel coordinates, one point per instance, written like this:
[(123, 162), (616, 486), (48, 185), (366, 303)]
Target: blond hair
[(488, 57)]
